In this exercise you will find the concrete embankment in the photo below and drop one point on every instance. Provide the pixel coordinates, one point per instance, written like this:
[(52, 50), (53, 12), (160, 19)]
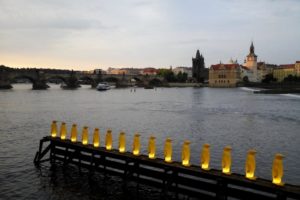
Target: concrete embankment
[(184, 85)]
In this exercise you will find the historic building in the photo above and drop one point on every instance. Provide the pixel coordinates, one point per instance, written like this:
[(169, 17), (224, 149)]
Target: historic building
[(200, 73), (116, 71), (249, 68), (284, 71), (187, 70), (263, 69), (297, 68), (224, 75), (149, 71)]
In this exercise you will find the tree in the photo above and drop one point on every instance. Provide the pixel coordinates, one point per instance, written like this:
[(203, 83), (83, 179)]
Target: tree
[(182, 77), (269, 78), (291, 78), (167, 74)]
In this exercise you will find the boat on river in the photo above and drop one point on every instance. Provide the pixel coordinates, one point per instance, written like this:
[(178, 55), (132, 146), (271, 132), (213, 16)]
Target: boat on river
[(103, 86)]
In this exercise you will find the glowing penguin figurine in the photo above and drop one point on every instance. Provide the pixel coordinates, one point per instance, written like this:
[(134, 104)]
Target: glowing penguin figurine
[(168, 150), (205, 157), (151, 147), (63, 131), (250, 165), (277, 170), (96, 138), (226, 160), (122, 142), (136, 145), (108, 140), (85, 135), (53, 129), (74, 133), (186, 153)]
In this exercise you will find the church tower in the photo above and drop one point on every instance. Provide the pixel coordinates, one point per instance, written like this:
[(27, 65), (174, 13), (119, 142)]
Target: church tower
[(200, 73), (251, 60), (251, 64)]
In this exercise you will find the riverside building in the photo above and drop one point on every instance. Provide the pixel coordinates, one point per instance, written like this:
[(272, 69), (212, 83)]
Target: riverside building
[(224, 75), (284, 71)]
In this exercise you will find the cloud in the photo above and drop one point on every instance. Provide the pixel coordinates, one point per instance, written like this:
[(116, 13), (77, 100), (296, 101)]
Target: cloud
[(146, 33)]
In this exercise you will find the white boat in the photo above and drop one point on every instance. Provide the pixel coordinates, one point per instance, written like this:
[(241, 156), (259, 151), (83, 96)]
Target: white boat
[(103, 86)]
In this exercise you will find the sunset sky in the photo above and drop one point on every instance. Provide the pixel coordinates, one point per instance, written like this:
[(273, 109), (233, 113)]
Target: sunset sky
[(84, 35)]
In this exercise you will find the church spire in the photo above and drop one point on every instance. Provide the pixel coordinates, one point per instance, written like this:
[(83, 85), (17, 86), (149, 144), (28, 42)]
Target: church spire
[(252, 48), (198, 54)]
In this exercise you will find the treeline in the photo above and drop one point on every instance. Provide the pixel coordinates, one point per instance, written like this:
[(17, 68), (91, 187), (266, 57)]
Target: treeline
[(45, 70), (292, 79), (289, 79), (4, 68), (169, 75)]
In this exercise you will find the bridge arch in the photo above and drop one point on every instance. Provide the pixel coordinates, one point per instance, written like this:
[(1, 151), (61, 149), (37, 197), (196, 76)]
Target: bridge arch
[(111, 79), (37, 83), (88, 81), (56, 77), (18, 77), (155, 82)]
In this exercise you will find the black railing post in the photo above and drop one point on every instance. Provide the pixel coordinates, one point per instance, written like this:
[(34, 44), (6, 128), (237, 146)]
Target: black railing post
[(280, 196), (221, 190)]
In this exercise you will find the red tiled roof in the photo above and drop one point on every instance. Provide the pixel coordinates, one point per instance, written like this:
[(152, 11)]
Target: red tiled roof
[(150, 70), (226, 66), (260, 63)]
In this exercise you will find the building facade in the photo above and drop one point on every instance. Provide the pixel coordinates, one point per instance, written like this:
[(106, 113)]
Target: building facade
[(297, 68), (200, 73), (187, 70), (149, 71), (284, 71), (249, 68), (263, 69), (116, 71), (224, 75)]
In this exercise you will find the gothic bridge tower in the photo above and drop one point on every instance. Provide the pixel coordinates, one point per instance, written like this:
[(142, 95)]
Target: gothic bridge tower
[(200, 73)]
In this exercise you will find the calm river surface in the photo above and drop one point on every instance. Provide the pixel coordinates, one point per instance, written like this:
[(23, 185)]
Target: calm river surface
[(237, 117)]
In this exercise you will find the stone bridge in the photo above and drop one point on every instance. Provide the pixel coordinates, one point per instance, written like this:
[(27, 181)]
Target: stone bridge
[(71, 79)]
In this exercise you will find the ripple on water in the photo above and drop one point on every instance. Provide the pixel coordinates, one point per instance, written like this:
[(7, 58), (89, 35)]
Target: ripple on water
[(220, 117)]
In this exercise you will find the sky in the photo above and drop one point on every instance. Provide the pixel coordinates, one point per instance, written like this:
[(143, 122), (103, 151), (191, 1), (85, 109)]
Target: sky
[(93, 34)]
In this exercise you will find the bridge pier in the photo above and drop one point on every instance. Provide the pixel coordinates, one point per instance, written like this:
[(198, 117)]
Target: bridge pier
[(71, 82), (40, 82), (5, 85), (39, 85), (97, 80), (4, 81)]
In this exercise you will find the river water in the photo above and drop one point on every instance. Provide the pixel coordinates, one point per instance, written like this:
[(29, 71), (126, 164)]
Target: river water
[(236, 117)]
